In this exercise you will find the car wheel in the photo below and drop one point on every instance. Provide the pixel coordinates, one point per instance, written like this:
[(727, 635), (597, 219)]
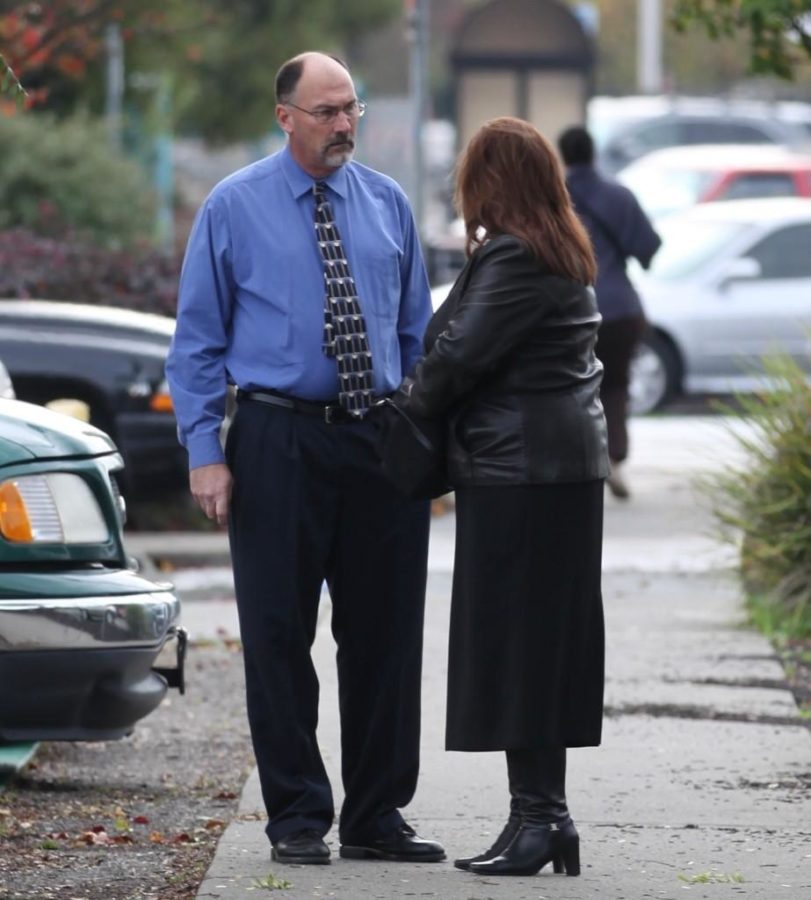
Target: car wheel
[(654, 374)]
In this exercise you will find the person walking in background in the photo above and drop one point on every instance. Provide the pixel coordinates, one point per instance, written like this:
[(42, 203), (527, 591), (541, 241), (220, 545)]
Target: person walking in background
[(303, 284), (510, 365), (619, 230)]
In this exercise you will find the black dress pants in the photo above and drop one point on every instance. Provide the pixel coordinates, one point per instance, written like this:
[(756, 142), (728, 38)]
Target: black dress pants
[(310, 504), (616, 342)]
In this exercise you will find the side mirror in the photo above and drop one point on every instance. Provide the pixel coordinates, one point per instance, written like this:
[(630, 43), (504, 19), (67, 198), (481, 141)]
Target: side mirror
[(742, 268)]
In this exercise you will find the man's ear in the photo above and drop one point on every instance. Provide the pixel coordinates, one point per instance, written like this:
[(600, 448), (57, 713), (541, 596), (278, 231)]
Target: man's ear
[(284, 118)]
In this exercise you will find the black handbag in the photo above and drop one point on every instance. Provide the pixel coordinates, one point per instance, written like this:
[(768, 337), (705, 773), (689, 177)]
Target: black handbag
[(413, 452)]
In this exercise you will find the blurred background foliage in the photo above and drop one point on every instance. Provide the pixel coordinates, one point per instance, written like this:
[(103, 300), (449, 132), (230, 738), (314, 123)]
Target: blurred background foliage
[(777, 32), (77, 217), (58, 177), (219, 58), (77, 200), (711, 46)]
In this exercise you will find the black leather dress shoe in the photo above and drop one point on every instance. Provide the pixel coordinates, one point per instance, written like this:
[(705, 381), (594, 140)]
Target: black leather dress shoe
[(305, 847), (401, 845)]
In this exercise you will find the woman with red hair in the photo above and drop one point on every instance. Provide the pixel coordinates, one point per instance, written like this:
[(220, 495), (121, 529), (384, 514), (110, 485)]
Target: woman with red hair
[(510, 366)]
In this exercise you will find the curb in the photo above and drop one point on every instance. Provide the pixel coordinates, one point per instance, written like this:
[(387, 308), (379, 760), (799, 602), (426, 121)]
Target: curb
[(166, 551)]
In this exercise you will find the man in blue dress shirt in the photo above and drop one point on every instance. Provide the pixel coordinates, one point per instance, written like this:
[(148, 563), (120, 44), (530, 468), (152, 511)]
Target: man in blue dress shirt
[(299, 484)]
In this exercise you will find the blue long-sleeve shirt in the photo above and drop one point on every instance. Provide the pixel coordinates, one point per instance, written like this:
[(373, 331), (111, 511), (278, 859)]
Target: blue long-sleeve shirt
[(251, 301)]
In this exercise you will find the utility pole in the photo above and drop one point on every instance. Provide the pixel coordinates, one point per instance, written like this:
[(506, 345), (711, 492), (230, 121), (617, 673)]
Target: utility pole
[(163, 173), (416, 15), (114, 84), (649, 46)]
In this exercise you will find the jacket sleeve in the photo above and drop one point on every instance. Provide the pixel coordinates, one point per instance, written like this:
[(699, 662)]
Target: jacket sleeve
[(639, 237), (504, 298)]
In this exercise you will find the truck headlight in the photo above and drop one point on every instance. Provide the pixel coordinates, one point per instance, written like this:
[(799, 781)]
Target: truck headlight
[(54, 508)]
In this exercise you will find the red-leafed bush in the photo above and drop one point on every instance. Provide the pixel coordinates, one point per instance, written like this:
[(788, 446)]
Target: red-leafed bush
[(73, 269)]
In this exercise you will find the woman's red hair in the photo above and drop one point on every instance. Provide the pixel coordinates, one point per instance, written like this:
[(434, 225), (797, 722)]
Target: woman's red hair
[(509, 181)]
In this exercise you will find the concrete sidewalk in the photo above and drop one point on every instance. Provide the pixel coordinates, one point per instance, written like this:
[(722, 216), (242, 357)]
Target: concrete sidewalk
[(704, 770)]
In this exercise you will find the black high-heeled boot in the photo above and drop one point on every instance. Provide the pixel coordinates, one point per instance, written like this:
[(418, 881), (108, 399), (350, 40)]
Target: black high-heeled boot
[(501, 842), (547, 834), (537, 779), (533, 847)]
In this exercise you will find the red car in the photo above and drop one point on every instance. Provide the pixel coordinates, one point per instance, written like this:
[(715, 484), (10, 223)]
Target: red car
[(669, 180)]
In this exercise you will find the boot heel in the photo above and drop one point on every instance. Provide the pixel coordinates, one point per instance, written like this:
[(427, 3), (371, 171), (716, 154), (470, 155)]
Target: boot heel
[(557, 865), (569, 858)]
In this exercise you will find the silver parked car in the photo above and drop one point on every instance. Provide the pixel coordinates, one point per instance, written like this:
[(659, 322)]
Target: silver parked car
[(627, 128), (731, 284), (676, 178)]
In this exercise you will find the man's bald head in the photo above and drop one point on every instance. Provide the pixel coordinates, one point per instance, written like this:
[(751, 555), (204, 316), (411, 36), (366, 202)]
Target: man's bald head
[(290, 72), (318, 109)]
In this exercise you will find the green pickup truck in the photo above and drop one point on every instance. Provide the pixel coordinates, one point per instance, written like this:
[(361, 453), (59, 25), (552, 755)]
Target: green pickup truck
[(80, 629)]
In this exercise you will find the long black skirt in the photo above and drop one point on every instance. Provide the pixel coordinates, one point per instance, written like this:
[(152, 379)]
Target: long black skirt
[(527, 640)]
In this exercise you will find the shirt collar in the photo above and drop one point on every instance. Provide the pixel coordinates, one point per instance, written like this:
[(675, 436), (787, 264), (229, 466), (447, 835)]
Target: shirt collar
[(301, 183)]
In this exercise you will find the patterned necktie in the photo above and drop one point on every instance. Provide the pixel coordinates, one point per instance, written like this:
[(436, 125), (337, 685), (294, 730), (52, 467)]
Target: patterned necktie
[(344, 326)]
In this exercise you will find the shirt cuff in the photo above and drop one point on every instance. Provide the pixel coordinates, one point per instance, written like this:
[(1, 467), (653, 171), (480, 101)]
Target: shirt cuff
[(205, 451)]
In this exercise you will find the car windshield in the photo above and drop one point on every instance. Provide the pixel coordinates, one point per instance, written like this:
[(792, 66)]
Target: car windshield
[(661, 191), (687, 244), (603, 127)]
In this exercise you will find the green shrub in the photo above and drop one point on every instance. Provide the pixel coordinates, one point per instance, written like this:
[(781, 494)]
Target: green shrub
[(766, 503), (62, 176)]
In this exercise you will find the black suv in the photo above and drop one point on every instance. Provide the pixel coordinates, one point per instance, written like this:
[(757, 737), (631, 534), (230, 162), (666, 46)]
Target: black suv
[(113, 361)]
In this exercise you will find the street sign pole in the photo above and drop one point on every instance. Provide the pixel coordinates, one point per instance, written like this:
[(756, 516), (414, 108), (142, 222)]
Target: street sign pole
[(649, 46), (416, 15)]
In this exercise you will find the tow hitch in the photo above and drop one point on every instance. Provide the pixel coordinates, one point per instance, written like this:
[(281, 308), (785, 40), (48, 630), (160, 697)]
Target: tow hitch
[(176, 676)]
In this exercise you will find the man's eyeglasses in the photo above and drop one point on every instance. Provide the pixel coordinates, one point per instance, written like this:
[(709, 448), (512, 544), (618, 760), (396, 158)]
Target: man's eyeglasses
[(326, 115)]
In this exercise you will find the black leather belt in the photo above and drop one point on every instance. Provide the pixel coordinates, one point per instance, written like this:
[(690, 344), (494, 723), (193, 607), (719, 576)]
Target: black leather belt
[(331, 413)]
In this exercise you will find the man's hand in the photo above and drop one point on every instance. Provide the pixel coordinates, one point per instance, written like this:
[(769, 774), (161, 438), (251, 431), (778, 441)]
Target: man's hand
[(211, 488)]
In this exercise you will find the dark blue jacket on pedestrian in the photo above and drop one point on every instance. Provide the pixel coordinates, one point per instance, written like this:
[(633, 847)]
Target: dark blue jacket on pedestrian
[(619, 230)]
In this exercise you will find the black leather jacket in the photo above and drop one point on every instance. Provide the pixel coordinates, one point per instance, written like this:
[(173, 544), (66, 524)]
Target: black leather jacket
[(510, 362)]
